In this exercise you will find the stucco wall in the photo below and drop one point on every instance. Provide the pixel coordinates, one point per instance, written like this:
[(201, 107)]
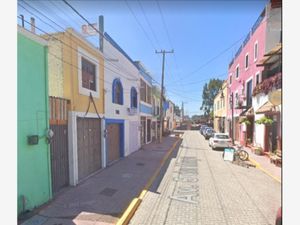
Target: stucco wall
[(71, 69), (33, 160), (258, 36), (119, 67)]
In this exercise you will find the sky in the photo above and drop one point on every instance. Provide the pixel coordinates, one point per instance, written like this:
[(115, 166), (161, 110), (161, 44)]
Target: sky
[(205, 35)]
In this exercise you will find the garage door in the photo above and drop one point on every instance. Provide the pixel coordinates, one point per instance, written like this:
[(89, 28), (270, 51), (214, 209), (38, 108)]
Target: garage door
[(89, 146), (113, 144)]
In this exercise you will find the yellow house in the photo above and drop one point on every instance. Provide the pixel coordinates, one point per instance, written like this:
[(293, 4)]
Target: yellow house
[(76, 74), (220, 109)]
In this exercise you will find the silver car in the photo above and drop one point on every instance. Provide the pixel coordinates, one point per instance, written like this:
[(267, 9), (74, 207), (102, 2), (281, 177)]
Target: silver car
[(220, 140)]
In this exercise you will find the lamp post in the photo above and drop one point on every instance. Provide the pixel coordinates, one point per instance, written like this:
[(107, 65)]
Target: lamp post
[(231, 105)]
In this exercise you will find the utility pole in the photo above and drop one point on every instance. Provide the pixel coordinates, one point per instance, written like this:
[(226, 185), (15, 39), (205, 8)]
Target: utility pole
[(162, 91)]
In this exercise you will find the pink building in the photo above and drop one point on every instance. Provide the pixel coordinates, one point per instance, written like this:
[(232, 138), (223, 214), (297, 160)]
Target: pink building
[(244, 75)]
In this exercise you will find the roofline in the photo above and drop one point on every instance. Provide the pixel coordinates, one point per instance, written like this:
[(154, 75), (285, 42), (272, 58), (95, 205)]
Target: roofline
[(115, 44), (32, 36)]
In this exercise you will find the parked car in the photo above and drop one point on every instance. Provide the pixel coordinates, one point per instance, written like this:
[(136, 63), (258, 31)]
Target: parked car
[(209, 133), (220, 140), (205, 129), (202, 129)]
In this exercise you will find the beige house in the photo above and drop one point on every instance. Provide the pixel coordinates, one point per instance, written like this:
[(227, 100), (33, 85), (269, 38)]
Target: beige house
[(220, 110)]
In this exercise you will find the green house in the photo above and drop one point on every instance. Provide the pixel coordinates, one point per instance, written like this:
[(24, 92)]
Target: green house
[(33, 156)]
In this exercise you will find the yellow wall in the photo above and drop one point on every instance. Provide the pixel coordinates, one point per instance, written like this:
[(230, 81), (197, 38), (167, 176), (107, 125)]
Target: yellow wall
[(222, 110), (55, 69), (71, 42)]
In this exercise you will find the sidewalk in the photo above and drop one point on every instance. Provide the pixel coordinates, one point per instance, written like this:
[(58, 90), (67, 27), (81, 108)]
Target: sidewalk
[(102, 198), (263, 162)]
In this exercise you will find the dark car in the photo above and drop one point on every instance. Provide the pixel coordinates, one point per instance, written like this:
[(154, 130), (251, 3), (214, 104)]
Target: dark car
[(209, 133), (202, 129), (205, 129)]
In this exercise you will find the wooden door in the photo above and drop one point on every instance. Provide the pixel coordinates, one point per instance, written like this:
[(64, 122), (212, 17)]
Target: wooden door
[(89, 146), (113, 143), (59, 157)]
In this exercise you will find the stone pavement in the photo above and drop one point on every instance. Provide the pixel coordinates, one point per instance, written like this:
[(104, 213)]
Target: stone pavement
[(102, 198), (198, 187), (264, 163)]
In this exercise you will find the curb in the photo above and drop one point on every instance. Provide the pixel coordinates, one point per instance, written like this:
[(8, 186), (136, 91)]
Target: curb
[(133, 206), (258, 166)]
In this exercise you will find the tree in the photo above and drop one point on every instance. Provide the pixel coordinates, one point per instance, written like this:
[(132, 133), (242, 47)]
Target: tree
[(209, 93)]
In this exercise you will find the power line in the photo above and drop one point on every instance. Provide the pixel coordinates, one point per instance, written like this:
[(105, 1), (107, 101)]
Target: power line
[(138, 22), (75, 51), (147, 20), (114, 65)]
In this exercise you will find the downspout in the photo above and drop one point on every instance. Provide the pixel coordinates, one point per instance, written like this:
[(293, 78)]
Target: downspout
[(47, 118)]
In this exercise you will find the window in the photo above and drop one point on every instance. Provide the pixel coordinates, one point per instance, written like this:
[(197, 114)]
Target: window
[(146, 92), (143, 91), (237, 72), (246, 61), (230, 79), (149, 94), (133, 98), (236, 99), (88, 74), (257, 79), (255, 51), (117, 92), (249, 93)]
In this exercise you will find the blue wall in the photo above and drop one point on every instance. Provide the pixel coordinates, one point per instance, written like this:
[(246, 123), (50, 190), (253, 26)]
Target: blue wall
[(146, 109)]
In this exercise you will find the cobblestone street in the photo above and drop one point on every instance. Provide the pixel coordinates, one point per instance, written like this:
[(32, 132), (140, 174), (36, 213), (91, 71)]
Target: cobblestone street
[(197, 186)]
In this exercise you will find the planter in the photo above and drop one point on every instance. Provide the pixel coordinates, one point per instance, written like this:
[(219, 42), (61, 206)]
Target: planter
[(258, 151)]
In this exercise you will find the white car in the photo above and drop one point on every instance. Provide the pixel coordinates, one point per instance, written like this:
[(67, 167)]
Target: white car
[(220, 140)]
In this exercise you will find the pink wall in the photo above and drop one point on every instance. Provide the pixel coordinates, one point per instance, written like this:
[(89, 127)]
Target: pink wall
[(260, 36), (245, 75)]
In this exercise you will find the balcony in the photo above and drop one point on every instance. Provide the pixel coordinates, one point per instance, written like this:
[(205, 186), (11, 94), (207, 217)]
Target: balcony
[(268, 84)]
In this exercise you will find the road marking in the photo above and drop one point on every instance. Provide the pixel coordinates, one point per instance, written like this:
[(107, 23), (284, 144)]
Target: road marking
[(258, 166), (129, 212)]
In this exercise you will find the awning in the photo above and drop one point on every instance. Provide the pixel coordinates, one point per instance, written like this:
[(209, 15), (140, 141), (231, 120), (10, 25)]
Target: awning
[(268, 59), (248, 112), (267, 107)]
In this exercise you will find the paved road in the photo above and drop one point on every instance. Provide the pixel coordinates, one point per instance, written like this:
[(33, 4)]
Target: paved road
[(198, 187)]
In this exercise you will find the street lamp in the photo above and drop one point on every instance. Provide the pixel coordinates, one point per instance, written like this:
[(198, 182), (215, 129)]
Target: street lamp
[(231, 105)]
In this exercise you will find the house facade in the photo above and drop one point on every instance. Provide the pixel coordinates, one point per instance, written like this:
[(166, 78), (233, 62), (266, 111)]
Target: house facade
[(76, 75), (156, 94), (220, 110), (33, 156), (169, 119), (267, 102), (122, 116), (145, 104), (244, 75)]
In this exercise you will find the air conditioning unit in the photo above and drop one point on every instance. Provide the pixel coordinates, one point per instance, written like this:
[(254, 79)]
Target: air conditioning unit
[(131, 111)]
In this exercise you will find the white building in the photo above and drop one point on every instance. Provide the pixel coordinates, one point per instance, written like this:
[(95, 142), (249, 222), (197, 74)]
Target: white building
[(122, 117)]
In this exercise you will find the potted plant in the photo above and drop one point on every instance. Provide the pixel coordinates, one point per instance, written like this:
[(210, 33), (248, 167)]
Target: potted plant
[(264, 120), (245, 121), (258, 150)]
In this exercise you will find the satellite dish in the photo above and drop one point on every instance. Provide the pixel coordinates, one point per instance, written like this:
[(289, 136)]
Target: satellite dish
[(275, 97)]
